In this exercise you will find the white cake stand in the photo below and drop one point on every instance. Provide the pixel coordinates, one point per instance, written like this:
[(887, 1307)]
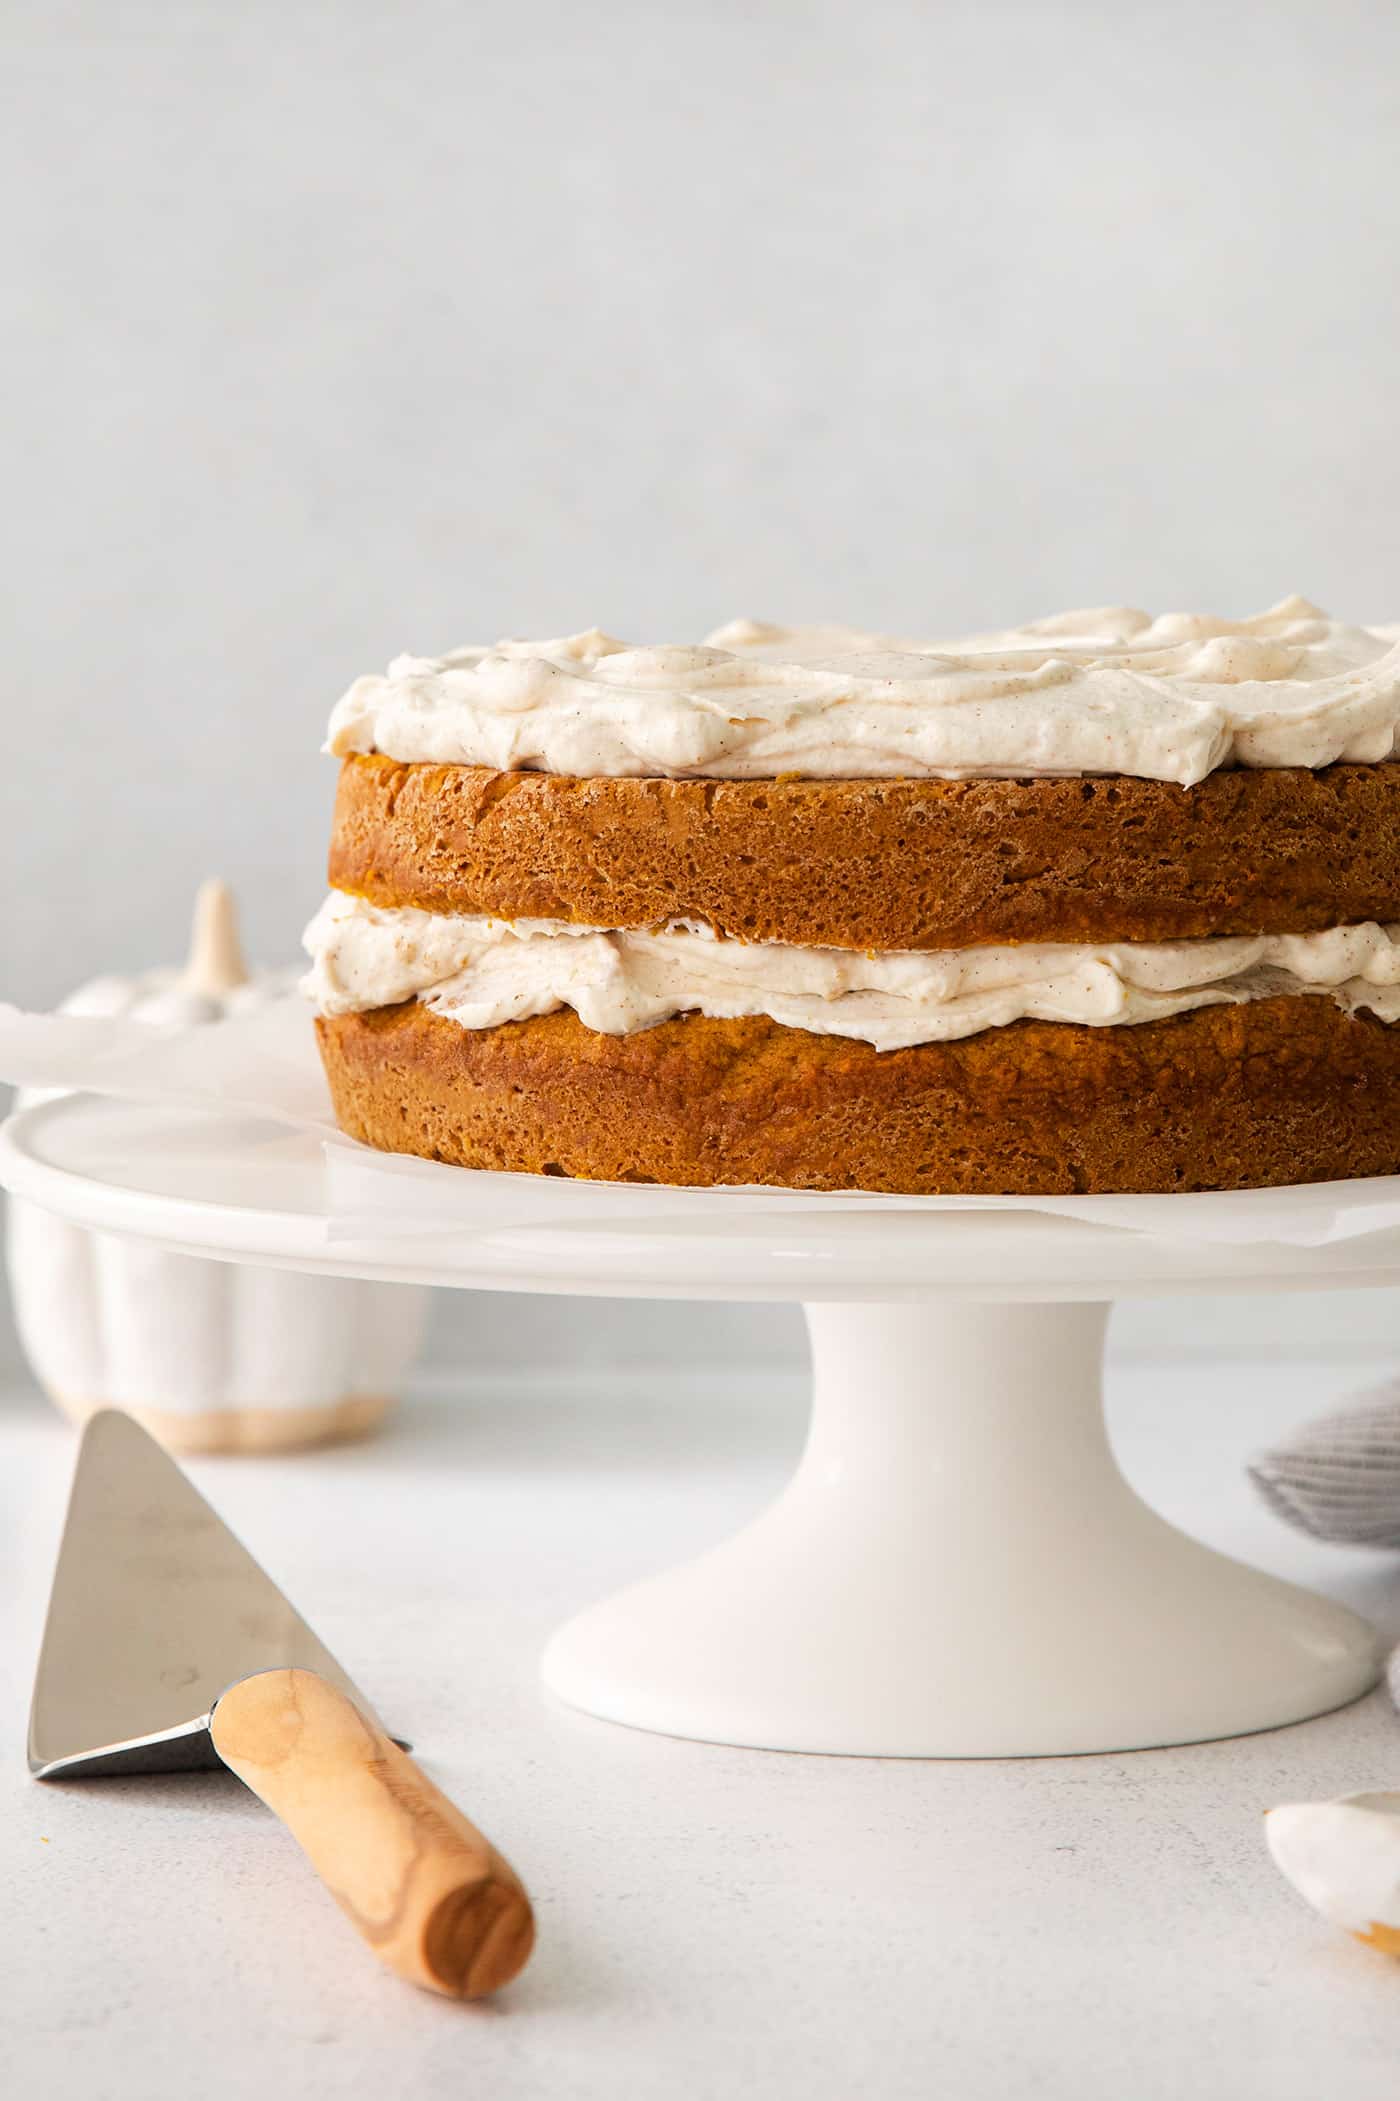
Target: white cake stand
[(957, 1568)]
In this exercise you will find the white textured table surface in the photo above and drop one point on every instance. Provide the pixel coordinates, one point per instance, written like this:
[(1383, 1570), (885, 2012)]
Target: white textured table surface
[(713, 1923)]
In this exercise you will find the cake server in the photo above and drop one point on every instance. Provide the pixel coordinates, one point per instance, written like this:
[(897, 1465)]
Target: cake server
[(167, 1647)]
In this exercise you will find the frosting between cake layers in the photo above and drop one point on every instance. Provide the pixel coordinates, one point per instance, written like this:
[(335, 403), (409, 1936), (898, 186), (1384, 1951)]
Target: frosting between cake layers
[(1108, 691), (483, 972)]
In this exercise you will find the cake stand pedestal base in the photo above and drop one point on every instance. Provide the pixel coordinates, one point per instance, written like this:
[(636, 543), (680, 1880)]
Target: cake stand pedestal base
[(958, 1569)]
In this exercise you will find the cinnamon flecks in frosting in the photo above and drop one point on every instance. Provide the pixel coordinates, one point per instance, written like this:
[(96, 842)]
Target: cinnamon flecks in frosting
[(483, 972), (1112, 691)]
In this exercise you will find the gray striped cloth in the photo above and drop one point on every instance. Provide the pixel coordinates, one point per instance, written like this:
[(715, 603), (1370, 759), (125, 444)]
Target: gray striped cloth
[(1338, 1477)]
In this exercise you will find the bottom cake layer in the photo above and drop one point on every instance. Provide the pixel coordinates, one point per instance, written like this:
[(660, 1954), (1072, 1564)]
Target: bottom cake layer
[(1289, 1089)]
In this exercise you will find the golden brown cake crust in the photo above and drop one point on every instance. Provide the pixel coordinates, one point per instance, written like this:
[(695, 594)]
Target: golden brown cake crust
[(1289, 1089), (881, 864)]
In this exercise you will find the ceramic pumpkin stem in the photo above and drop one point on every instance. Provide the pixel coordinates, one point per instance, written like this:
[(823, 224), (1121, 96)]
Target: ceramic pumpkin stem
[(215, 964)]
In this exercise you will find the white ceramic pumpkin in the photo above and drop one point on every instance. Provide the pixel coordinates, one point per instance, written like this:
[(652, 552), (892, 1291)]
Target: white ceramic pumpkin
[(210, 1356)]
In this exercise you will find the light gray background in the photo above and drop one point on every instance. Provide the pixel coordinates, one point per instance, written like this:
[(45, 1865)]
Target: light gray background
[(338, 328)]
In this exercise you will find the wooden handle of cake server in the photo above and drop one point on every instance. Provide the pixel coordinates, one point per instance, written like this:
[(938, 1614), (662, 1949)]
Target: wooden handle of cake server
[(433, 1898)]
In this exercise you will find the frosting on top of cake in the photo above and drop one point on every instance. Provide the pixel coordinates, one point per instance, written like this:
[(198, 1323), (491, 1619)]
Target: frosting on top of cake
[(1107, 691), (483, 972)]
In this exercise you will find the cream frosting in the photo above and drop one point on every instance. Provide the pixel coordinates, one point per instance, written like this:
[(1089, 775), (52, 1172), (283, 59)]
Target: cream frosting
[(1109, 691), (482, 972)]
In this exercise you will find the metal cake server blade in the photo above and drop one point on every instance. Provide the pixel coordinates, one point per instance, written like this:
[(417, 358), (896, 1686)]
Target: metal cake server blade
[(156, 1610), (167, 1647)]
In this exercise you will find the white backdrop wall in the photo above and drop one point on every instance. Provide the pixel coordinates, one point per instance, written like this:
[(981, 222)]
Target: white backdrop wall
[(334, 328)]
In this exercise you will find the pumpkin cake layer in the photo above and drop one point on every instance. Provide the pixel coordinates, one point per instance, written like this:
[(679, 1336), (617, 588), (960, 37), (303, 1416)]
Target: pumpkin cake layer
[(880, 864), (1281, 1090)]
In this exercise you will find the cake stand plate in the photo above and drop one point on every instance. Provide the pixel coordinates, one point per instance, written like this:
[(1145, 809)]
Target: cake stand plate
[(957, 1568)]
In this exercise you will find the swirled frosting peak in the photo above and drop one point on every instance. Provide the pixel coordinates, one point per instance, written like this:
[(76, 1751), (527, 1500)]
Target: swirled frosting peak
[(1109, 691)]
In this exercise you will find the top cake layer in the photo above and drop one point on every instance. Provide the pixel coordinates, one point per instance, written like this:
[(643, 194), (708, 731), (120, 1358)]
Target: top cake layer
[(1107, 692)]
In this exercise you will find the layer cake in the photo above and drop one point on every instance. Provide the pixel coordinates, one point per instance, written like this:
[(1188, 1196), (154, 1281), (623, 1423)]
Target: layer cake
[(1104, 903)]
